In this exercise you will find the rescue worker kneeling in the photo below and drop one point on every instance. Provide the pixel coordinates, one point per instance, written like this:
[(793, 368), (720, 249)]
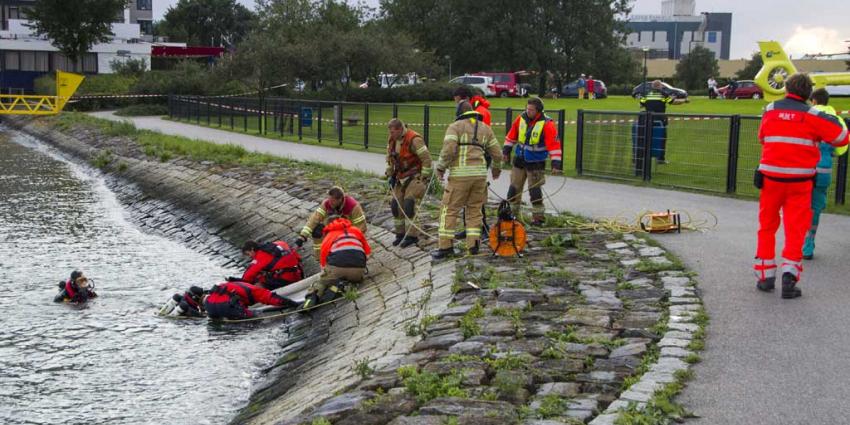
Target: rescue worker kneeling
[(343, 258), (273, 265), (231, 300), (75, 290), (338, 204)]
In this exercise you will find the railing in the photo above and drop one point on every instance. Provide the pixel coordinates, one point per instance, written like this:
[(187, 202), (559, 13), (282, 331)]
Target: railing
[(714, 153), (340, 123)]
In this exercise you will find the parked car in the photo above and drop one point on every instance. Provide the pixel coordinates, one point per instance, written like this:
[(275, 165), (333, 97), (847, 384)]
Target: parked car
[(747, 89), (571, 89), (838, 90), (506, 84), (481, 82), (671, 91)]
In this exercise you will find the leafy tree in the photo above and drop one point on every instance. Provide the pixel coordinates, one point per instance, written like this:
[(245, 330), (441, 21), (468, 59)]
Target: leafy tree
[(207, 22), (75, 26), (563, 37), (751, 68), (694, 69)]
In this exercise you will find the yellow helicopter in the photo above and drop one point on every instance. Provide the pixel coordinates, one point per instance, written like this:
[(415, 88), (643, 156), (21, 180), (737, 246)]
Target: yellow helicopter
[(19, 104), (777, 67)]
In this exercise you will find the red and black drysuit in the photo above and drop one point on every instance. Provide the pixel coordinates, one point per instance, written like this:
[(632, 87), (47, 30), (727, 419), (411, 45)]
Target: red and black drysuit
[(790, 132), (275, 265), (70, 292), (231, 300)]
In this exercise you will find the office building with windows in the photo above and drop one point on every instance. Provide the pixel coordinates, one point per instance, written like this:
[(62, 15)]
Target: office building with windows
[(678, 29), (25, 56)]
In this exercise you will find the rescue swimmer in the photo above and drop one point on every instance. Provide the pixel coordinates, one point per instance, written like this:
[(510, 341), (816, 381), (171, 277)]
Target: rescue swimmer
[(77, 289)]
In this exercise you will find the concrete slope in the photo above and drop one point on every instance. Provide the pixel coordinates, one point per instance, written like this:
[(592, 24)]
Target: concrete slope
[(767, 361)]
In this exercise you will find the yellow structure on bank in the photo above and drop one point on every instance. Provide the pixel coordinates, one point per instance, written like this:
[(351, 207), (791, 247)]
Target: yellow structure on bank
[(66, 85)]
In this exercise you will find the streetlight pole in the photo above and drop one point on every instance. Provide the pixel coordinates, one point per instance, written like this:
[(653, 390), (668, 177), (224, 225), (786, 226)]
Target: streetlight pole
[(449, 58)]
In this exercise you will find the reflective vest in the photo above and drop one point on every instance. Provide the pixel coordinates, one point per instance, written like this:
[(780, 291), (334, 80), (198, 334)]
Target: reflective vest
[(531, 147), (406, 162), (790, 132), (827, 151), (344, 245)]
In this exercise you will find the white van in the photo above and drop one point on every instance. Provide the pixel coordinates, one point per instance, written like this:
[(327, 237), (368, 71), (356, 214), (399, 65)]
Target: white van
[(483, 83)]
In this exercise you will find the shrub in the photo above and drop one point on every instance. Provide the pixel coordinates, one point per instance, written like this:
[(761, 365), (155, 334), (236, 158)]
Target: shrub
[(142, 110), (426, 386)]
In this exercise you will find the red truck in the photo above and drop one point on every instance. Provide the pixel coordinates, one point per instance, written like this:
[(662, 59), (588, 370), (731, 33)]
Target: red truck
[(508, 84)]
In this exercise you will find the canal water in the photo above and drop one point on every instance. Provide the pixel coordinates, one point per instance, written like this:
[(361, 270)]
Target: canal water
[(111, 361)]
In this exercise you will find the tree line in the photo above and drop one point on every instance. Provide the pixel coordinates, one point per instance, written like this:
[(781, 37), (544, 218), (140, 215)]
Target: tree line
[(335, 45)]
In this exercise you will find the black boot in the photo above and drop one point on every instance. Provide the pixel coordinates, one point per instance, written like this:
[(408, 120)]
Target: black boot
[(409, 240), (473, 250), (310, 301), (789, 286), (767, 284), (398, 238), (441, 254)]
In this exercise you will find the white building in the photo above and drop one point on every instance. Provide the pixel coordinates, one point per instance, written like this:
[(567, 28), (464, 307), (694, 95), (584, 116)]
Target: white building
[(678, 29), (25, 56)]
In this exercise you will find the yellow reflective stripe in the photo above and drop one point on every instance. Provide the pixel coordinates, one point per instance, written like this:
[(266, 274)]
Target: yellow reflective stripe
[(422, 150), (357, 220), (473, 231), (451, 137), (321, 211), (306, 231), (474, 171), (443, 231)]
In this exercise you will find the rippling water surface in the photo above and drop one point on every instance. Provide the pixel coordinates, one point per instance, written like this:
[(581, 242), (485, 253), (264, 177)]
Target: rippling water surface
[(110, 361)]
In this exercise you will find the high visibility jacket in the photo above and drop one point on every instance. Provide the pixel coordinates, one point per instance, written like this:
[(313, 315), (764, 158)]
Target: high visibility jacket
[(464, 153), (482, 106), (535, 139), (409, 157), (274, 261), (790, 132), (655, 101), (826, 150), (243, 293), (349, 209), (344, 245)]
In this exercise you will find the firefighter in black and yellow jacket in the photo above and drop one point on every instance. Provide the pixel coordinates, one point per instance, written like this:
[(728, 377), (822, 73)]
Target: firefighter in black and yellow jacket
[(467, 145), (408, 171)]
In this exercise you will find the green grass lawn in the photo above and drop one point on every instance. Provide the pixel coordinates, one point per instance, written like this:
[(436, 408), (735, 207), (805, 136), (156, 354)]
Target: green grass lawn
[(697, 150)]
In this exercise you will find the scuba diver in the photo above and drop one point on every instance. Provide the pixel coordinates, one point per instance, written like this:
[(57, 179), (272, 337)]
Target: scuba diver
[(231, 300), (77, 289), (188, 304)]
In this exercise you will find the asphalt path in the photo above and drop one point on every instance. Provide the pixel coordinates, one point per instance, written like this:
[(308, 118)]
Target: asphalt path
[(767, 360)]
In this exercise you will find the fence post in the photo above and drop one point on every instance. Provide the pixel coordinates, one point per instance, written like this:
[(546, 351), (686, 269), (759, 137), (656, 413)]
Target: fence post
[(562, 115), (426, 124), (339, 122), (198, 110), (319, 124), (244, 115), (366, 126), (170, 115), (300, 123), (509, 117), (649, 125), (732, 161), (579, 141), (841, 180), (395, 110), (218, 108), (209, 112)]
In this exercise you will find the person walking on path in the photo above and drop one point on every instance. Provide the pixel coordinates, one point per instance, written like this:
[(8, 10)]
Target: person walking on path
[(408, 172), (789, 133), (467, 144), (534, 138), (820, 101), (582, 83), (337, 205)]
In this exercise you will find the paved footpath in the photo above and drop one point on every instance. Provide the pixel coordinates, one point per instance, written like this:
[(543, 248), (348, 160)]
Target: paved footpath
[(767, 360)]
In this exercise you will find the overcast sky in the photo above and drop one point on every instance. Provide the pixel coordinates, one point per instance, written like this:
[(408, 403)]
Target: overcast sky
[(802, 26)]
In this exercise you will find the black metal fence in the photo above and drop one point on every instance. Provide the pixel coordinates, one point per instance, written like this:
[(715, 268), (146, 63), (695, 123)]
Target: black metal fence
[(715, 153), (341, 123)]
